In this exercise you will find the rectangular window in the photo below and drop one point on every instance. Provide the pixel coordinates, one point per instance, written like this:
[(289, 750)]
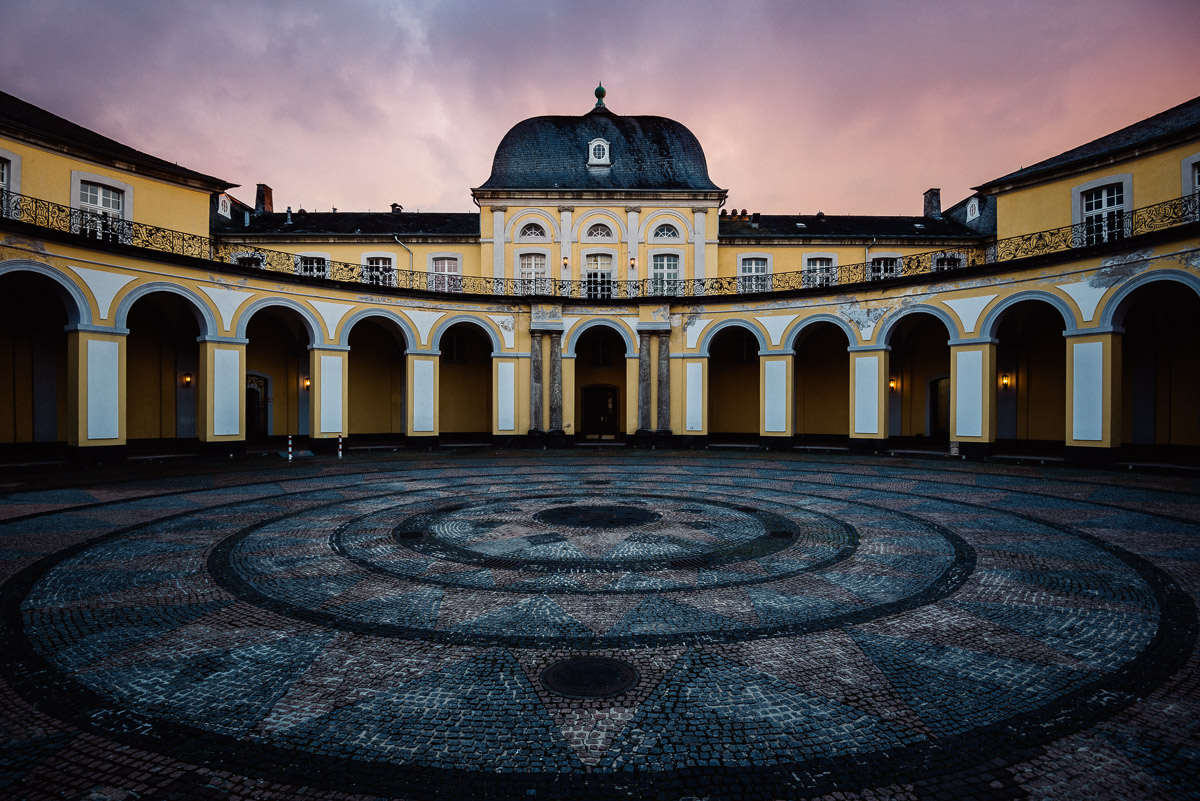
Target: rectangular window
[(597, 277), (312, 266), (944, 263), (249, 261), (883, 267), (531, 277), (447, 275), (664, 274), (1103, 214), (100, 209), (819, 271), (752, 276), (378, 271)]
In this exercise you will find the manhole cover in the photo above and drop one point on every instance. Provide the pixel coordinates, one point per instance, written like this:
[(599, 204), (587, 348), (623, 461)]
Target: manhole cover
[(597, 516), (589, 677)]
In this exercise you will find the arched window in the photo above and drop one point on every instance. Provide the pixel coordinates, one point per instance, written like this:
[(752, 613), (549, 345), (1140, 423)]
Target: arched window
[(533, 230), (599, 231), (666, 231), (598, 153)]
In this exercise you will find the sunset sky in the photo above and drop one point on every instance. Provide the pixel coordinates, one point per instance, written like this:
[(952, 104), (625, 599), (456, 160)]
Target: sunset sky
[(850, 107)]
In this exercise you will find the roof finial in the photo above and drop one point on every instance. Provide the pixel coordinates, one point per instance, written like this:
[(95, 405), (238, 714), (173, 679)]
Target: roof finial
[(600, 96)]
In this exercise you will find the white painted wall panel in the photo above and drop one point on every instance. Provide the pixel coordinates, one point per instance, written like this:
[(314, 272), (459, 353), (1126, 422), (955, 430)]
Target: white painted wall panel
[(331, 394), (423, 395), (104, 390), (506, 401), (227, 392), (1088, 383), (968, 394), (775, 380), (695, 397), (866, 395)]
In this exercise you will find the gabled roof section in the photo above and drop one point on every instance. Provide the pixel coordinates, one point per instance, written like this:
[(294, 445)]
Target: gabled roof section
[(357, 223), (816, 226), (28, 123), (1173, 125), (646, 153)]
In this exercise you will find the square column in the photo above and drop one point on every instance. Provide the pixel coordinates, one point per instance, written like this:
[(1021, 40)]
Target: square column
[(868, 392), (221, 412), (973, 415), (95, 387), (329, 407), (422, 394), (535, 382), (776, 388), (1093, 389)]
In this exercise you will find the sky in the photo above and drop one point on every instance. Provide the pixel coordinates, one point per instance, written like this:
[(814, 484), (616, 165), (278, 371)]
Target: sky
[(842, 106)]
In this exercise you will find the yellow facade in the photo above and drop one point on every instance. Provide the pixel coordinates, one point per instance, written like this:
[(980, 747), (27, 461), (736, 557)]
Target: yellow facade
[(731, 333)]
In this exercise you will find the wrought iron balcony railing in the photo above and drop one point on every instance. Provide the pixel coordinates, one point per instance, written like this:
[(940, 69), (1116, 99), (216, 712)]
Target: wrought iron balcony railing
[(1111, 229)]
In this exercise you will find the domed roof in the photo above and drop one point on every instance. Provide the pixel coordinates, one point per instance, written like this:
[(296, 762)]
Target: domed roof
[(644, 153)]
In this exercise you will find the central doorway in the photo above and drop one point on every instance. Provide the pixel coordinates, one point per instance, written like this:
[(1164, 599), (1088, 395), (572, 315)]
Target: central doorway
[(601, 411)]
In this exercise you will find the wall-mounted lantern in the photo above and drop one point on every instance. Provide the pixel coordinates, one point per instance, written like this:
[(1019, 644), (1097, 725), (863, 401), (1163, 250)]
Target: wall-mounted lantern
[(1005, 380), (187, 380), (307, 382), (893, 384)]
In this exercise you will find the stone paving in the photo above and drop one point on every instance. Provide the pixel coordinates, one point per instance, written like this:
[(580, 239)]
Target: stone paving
[(599, 625)]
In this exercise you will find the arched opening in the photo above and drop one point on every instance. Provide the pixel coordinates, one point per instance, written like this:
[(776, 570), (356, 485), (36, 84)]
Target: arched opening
[(1032, 353), (918, 382), (162, 361), (465, 382), (822, 383), (600, 391), (278, 381), (1160, 382), (733, 395), (377, 379), (33, 359)]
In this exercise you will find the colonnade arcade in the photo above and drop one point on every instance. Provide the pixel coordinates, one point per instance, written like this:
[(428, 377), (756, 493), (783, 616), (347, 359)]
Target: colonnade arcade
[(1026, 373)]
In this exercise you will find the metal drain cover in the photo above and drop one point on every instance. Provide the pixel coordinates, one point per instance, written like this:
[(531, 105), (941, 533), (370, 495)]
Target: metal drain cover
[(589, 677)]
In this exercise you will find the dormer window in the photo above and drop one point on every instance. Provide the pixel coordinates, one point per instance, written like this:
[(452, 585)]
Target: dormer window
[(665, 231), (598, 153), (599, 231), (533, 231)]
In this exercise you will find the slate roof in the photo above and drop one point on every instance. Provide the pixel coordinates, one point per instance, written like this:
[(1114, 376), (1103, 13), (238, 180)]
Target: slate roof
[(647, 153), (26, 121), (785, 225), (1177, 122), (312, 223)]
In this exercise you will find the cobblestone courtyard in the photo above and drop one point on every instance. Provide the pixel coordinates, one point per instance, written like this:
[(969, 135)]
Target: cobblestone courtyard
[(599, 625)]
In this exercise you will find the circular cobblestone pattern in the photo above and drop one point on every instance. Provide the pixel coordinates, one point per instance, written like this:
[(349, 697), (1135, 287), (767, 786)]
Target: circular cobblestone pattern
[(631, 626)]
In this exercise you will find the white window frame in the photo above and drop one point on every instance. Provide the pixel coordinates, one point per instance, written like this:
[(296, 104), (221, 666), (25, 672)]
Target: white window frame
[(367, 274), (88, 220), (601, 285), (658, 226), (663, 285), (957, 255), (532, 284), (1189, 172), (819, 276), (588, 236), (875, 269), (237, 256), (524, 237), (973, 209), (14, 170), (1077, 198), (444, 280), (604, 158), (756, 281), (311, 254)]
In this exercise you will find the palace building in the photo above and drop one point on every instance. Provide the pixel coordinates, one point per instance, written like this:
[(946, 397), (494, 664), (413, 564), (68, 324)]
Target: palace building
[(602, 293)]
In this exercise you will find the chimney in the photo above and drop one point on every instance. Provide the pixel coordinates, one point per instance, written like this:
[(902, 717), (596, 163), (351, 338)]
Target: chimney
[(754, 220), (264, 202), (933, 203), (397, 208)]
